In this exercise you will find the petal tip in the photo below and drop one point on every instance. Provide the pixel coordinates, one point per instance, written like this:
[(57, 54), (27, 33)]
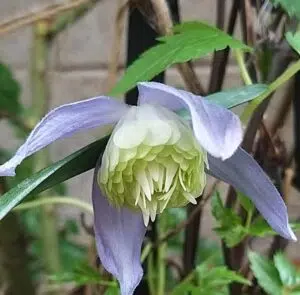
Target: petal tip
[(128, 287), (292, 236)]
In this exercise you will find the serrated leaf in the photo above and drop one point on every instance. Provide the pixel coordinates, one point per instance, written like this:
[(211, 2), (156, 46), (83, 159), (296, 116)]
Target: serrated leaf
[(292, 7), (287, 271), (232, 235), (82, 274), (246, 203), (265, 273), (260, 228), (190, 41), (218, 276), (9, 91), (230, 226), (74, 164)]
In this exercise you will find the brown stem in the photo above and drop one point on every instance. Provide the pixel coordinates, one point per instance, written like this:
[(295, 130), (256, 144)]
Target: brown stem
[(220, 59)]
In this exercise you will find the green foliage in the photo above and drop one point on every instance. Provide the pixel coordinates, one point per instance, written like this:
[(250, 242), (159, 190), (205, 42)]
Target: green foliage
[(191, 40), (230, 226), (9, 91), (74, 164), (70, 252), (260, 228), (287, 271), (294, 40), (82, 274), (266, 273), (246, 203), (292, 7), (230, 98), (205, 280), (275, 277), (172, 217)]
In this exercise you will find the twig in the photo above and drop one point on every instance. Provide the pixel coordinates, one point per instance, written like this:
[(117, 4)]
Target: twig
[(32, 17), (88, 229), (116, 45), (220, 59)]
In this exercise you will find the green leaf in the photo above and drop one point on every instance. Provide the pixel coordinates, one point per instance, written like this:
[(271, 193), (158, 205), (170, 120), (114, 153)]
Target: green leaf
[(191, 40), (218, 277), (294, 40), (233, 97), (230, 226), (265, 273), (260, 228), (9, 91), (74, 164), (287, 271), (206, 280), (245, 202), (82, 274), (292, 7)]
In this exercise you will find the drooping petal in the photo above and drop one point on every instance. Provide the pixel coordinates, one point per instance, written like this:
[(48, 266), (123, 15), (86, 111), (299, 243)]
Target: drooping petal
[(244, 173), (217, 129), (63, 122), (119, 236)]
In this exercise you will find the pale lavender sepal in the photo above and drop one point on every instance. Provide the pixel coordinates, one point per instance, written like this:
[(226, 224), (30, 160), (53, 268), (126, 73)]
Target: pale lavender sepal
[(217, 129), (63, 122), (244, 173), (119, 237)]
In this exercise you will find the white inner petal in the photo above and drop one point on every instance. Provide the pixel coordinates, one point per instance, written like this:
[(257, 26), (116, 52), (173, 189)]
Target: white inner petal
[(129, 135)]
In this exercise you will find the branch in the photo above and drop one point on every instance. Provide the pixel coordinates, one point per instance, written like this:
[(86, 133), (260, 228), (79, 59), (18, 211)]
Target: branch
[(32, 17)]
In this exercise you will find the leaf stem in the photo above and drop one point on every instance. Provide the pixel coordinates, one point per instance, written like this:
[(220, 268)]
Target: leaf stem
[(146, 251), (242, 65), (54, 200)]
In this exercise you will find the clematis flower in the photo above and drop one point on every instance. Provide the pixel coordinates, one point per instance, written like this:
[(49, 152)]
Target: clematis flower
[(154, 160)]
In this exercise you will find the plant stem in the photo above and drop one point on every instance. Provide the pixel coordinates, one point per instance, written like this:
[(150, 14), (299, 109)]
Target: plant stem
[(150, 274), (54, 200), (39, 107), (283, 78), (161, 265), (243, 68)]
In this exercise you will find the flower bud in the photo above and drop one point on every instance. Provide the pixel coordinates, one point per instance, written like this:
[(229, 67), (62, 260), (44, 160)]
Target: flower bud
[(152, 161)]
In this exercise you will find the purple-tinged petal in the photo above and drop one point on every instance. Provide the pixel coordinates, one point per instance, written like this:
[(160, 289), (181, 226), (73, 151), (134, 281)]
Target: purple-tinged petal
[(63, 122), (119, 236), (244, 173), (217, 129)]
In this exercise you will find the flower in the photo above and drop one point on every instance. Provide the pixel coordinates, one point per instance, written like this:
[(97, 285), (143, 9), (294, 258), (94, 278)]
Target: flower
[(153, 160)]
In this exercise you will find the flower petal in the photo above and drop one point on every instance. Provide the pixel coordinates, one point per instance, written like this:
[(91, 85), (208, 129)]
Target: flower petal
[(119, 237), (63, 122), (217, 129), (244, 173)]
